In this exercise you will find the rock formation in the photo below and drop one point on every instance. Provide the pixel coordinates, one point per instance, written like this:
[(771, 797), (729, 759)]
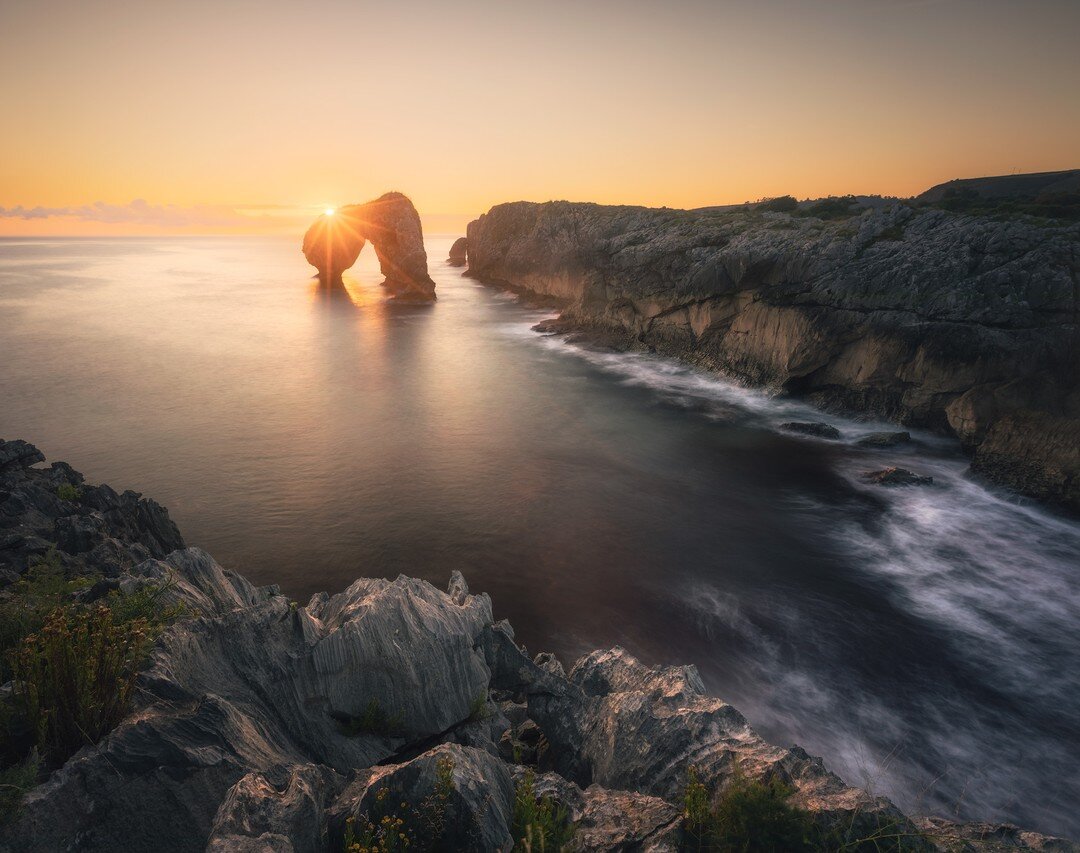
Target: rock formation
[(248, 727), (334, 241), (964, 324), (458, 252)]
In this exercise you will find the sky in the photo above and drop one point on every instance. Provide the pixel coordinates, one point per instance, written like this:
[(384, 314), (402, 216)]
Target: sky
[(237, 116)]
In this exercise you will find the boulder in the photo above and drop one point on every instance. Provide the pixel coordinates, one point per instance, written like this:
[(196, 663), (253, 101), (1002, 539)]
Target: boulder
[(897, 477), (814, 428), (884, 439), (458, 252)]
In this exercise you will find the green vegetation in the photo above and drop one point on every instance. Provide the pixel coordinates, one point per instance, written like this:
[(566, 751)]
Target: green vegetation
[(373, 720), (74, 678), (478, 708), (385, 829), (15, 782), (747, 816), (68, 492), (539, 824), (43, 589), (780, 204), (1062, 206), (837, 207), (72, 666)]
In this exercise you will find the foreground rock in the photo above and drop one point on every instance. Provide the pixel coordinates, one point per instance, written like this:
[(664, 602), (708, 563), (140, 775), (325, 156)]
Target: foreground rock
[(253, 730), (814, 428), (960, 323), (334, 242)]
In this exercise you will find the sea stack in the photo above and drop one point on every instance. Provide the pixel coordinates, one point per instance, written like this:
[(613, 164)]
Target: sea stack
[(334, 242), (458, 252)]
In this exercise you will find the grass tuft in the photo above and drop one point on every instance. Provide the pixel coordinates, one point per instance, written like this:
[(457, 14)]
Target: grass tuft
[(539, 824)]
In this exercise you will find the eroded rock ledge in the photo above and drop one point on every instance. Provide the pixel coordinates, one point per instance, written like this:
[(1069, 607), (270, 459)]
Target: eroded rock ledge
[(235, 742), (965, 324), (334, 242)]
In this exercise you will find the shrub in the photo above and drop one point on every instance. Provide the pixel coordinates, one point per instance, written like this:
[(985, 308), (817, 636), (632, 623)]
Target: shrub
[(747, 816), (373, 720), (539, 824), (68, 492), (478, 708), (75, 676), (15, 782), (41, 590), (780, 204), (838, 207), (384, 829)]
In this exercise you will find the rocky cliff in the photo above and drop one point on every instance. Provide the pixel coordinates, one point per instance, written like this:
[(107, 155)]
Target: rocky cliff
[(964, 324), (262, 725), (334, 242)]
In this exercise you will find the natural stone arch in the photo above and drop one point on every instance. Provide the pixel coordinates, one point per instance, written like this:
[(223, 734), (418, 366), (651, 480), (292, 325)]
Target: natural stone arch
[(334, 241)]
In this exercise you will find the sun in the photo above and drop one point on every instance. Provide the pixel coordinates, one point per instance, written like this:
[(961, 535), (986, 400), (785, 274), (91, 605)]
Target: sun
[(329, 211)]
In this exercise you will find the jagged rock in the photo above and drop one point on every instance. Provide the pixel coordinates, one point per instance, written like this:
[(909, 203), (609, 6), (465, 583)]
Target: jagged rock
[(814, 428), (20, 453), (898, 477), (841, 312), (253, 728), (989, 837), (333, 243), (281, 810), (458, 252), (478, 811), (884, 439), (99, 532)]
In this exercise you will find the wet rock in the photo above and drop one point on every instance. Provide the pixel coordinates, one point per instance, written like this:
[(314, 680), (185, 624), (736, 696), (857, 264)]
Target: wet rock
[(458, 252), (814, 428), (977, 837), (897, 477), (334, 242), (884, 439)]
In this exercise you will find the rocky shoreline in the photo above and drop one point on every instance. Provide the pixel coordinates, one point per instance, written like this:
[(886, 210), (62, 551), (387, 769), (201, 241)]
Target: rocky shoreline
[(965, 324), (260, 724)]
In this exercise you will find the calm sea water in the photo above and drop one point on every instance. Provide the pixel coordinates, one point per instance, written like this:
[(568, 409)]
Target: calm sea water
[(926, 642)]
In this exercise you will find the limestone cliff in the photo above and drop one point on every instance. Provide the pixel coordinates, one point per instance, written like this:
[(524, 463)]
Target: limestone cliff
[(960, 323), (334, 242)]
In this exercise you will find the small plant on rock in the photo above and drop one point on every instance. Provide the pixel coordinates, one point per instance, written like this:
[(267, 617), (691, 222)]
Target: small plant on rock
[(540, 824), (68, 492), (746, 816)]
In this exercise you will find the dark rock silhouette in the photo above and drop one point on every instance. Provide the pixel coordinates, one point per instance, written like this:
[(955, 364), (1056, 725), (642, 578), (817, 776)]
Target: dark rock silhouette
[(334, 242), (458, 252)]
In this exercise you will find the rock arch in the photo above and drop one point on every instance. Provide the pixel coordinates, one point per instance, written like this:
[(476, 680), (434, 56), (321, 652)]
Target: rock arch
[(334, 241)]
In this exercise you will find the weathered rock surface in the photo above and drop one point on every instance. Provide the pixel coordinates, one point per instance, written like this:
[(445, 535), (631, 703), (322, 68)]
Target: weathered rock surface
[(458, 252), (93, 530), (248, 730), (334, 242), (925, 317)]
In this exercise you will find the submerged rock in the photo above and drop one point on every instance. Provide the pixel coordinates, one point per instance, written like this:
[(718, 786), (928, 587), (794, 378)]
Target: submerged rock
[(884, 439), (898, 477), (814, 428), (334, 242)]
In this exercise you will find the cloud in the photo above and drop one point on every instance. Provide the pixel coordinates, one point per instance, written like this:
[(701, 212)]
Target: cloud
[(141, 212)]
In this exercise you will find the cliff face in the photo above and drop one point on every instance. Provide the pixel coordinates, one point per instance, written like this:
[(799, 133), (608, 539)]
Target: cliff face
[(253, 729), (334, 242), (959, 323)]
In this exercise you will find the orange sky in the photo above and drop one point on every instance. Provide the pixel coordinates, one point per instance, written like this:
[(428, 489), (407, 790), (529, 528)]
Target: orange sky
[(253, 115)]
